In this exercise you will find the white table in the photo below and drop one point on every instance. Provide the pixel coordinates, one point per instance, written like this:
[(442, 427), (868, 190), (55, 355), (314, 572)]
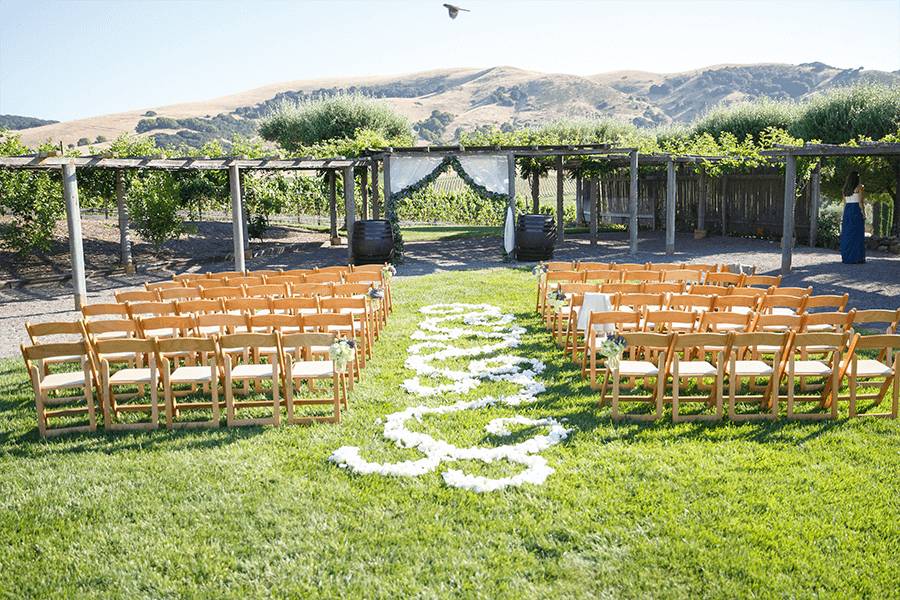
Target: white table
[(595, 302)]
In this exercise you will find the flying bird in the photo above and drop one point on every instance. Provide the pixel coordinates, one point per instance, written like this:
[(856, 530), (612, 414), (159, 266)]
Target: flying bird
[(453, 11)]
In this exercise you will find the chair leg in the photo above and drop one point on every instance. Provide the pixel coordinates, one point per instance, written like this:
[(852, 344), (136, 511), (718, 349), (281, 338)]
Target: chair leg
[(676, 383), (616, 416), (335, 386)]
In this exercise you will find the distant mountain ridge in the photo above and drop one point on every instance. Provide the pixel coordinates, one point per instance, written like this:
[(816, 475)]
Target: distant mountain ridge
[(444, 102), (16, 122)]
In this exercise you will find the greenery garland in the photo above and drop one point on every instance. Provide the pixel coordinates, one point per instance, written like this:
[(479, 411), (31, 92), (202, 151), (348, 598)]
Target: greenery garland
[(390, 206)]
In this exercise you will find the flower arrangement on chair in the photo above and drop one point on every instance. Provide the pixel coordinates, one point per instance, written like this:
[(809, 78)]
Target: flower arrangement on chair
[(611, 349), (388, 271), (342, 352), (556, 300), (376, 294), (539, 270)]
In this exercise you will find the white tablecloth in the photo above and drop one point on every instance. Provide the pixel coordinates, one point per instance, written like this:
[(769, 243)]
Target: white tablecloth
[(594, 302)]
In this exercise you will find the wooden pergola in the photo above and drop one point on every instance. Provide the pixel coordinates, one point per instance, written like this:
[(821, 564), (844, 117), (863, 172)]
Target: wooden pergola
[(234, 165), (790, 154)]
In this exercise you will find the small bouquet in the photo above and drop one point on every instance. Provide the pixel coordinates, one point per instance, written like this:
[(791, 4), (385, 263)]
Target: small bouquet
[(376, 295), (539, 270), (388, 271), (342, 352), (557, 300), (611, 349)]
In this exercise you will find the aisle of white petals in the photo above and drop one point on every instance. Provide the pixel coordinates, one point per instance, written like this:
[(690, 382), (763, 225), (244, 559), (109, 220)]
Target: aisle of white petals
[(495, 333)]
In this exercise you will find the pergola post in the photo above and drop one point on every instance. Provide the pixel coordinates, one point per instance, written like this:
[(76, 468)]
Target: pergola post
[(237, 217), (703, 185), (122, 207), (815, 191), (560, 215), (896, 227), (787, 232), (535, 192), (723, 185), (579, 201), (593, 197), (670, 207), (349, 208), (364, 192), (375, 211), (245, 214), (633, 205), (511, 199), (76, 247), (386, 182), (332, 207)]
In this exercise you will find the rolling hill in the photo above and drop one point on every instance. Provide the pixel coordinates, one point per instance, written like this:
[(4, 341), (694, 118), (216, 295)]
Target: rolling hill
[(441, 103)]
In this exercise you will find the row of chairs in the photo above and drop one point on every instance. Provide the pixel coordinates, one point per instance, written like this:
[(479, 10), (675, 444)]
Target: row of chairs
[(759, 365), (586, 265), (197, 363)]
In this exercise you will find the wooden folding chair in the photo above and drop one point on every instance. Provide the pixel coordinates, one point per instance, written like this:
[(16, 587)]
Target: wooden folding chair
[(828, 368), (603, 276), (46, 384), (324, 277), (247, 368), (790, 291), (656, 266), (682, 366), (343, 325), (886, 320), (179, 293), (645, 370), (724, 322), (244, 281), (749, 291), (200, 369), (782, 305), (225, 274), (163, 285), (289, 280), (628, 266), (559, 320), (166, 326), (828, 302), (702, 267), (642, 276), (189, 278), (334, 269), (105, 310), (307, 290), (299, 366), (264, 273), (666, 287), (740, 367), (222, 292), (600, 324), (247, 306), (269, 290), (766, 281), (684, 321), (295, 305), (377, 279), (586, 265), (61, 331), (724, 279), (549, 281), (214, 324), (143, 351), (199, 307), (137, 296), (692, 302), (142, 309), (888, 346), (705, 289), (363, 318), (738, 304), (622, 288), (689, 276)]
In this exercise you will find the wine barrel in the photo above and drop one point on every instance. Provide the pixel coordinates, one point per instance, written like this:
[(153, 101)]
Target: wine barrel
[(535, 237), (373, 242)]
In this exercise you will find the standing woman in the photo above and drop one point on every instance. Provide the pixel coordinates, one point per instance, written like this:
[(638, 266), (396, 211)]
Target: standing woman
[(853, 227)]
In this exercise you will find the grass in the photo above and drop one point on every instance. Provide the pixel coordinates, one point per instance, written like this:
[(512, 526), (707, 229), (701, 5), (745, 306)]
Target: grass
[(782, 509)]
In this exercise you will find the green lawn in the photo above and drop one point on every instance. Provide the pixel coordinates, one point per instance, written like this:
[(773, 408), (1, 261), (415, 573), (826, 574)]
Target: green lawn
[(774, 510)]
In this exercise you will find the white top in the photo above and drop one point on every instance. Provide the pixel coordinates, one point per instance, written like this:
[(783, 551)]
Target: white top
[(852, 199), (594, 302)]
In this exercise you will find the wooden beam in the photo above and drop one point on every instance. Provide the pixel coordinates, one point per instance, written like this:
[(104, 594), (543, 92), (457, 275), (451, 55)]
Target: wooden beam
[(670, 207), (511, 195), (560, 213), (349, 208), (375, 210), (176, 164), (237, 218), (703, 186), (790, 194), (122, 207), (364, 192), (76, 247), (633, 205), (815, 191), (593, 198), (332, 207), (579, 200)]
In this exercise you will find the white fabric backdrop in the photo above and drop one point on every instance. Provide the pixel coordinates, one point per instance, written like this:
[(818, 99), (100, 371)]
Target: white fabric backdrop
[(509, 231), (407, 170), (488, 170)]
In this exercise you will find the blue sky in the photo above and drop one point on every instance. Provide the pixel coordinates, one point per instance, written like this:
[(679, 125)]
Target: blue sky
[(70, 59)]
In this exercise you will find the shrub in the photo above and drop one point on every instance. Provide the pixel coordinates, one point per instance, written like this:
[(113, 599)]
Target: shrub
[(829, 225), (845, 114), (747, 118), (153, 201), (295, 125), (83, 141)]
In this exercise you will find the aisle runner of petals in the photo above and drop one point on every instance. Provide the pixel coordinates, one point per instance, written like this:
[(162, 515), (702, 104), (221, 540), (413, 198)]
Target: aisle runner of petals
[(489, 362)]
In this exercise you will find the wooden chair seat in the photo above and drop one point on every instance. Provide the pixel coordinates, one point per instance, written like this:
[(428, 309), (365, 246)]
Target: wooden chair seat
[(696, 368), (872, 368), (312, 369), (637, 368), (751, 368), (252, 371), (811, 368), (191, 375), (130, 375), (61, 381)]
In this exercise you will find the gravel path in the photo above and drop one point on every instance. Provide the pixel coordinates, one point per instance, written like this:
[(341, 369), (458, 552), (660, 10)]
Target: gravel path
[(875, 284)]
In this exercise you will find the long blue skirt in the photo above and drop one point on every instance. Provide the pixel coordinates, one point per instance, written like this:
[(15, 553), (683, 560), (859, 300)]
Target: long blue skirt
[(853, 235)]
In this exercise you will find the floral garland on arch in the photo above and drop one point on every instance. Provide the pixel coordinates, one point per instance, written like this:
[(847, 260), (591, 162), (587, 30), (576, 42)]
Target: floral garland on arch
[(444, 324), (390, 203)]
